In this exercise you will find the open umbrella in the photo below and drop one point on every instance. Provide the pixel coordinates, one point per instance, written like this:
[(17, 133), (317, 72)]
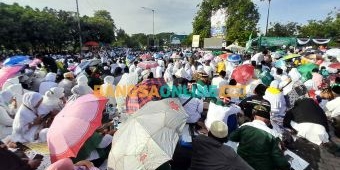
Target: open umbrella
[(290, 56), (234, 58), (235, 48), (280, 64), (175, 56), (8, 72), (306, 71), (35, 62), (208, 56), (16, 60), (149, 137), (73, 125), (146, 57), (142, 93), (243, 73), (335, 52), (92, 43), (334, 66), (147, 64), (224, 56)]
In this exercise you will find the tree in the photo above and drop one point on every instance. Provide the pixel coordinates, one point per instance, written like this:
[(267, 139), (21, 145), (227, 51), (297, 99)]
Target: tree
[(242, 19), (284, 30)]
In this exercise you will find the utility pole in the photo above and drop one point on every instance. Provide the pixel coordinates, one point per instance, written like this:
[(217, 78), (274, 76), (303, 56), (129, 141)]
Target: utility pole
[(153, 23), (268, 17), (80, 39)]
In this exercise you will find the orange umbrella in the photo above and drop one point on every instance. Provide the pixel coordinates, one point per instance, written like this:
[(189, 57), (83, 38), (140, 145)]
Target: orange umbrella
[(74, 125)]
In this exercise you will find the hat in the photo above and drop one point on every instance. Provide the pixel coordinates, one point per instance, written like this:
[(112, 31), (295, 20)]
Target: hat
[(260, 110), (68, 75), (219, 129)]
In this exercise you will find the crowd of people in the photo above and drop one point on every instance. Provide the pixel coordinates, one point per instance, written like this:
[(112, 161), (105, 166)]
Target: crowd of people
[(275, 102)]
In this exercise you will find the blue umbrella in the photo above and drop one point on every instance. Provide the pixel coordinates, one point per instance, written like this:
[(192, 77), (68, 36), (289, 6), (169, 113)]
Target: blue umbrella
[(234, 58), (131, 57), (158, 55), (16, 60), (280, 63)]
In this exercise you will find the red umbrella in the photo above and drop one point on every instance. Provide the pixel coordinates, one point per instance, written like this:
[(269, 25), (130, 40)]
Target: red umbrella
[(8, 72), (335, 65), (242, 74), (224, 56), (146, 57), (92, 43), (74, 125), (147, 64)]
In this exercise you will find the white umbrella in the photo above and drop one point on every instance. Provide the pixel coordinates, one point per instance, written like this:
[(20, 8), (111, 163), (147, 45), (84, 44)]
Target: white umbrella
[(335, 52), (234, 47), (149, 137)]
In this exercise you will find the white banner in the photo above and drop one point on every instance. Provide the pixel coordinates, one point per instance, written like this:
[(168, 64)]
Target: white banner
[(321, 41), (195, 41), (301, 42)]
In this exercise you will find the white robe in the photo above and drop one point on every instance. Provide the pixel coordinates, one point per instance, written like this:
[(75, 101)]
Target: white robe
[(107, 89), (220, 113), (5, 122), (26, 115)]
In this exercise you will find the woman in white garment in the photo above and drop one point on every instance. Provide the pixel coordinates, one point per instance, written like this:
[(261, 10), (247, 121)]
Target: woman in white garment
[(168, 75), (187, 69), (277, 102), (67, 83), (7, 102), (77, 91), (8, 82), (18, 92), (53, 101), (48, 83), (83, 81), (27, 121), (107, 89)]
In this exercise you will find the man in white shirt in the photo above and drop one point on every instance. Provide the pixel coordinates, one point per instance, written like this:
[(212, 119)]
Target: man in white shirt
[(333, 106), (133, 66), (113, 66), (258, 57), (219, 81)]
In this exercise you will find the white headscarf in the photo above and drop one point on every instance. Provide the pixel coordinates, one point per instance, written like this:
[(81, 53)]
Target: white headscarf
[(6, 96), (109, 80), (31, 99), (81, 80), (77, 91), (55, 92), (51, 77), (8, 82), (294, 75)]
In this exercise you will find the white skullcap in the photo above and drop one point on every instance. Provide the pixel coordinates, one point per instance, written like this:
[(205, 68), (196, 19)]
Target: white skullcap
[(219, 129)]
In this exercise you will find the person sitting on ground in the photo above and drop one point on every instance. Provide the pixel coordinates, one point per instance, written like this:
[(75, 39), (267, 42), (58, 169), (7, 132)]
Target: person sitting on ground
[(258, 144), (49, 63), (11, 161), (312, 126), (219, 81), (209, 152), (67, 83), (247, 105), (48, 83), (83, 81), (7, 101)]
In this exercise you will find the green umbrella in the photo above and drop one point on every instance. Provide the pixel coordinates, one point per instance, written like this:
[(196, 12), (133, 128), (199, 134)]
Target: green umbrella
[(306, 71), (290, 56)]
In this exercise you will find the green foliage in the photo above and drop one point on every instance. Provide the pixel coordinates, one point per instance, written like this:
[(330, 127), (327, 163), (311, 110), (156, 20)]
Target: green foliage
[(242, 19), (284, 30), (32, 30)]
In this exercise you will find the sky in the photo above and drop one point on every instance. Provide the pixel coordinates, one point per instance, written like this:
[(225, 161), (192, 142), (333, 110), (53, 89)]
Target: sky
[(177, 15)]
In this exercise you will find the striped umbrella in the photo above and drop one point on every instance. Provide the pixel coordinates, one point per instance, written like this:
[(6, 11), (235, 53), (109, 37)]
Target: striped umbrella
[(146, 57), (147, 64)]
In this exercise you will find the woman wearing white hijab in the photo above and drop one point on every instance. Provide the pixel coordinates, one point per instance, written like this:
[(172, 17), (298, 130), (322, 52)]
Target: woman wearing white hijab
[(53, 101), (8, 82), (48, 83), (83, 80), (18, 91), (67, 83), (77, 91), (6, 114), (107, 89), (187, 69), (168, 74), (27, 121)]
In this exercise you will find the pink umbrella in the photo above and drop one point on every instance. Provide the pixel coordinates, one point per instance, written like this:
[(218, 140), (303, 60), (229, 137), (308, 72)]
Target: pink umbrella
[(242, 74), (74, 125), (35, 62), (8, 72), (147, 64), (146, 57), (335, 65)]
